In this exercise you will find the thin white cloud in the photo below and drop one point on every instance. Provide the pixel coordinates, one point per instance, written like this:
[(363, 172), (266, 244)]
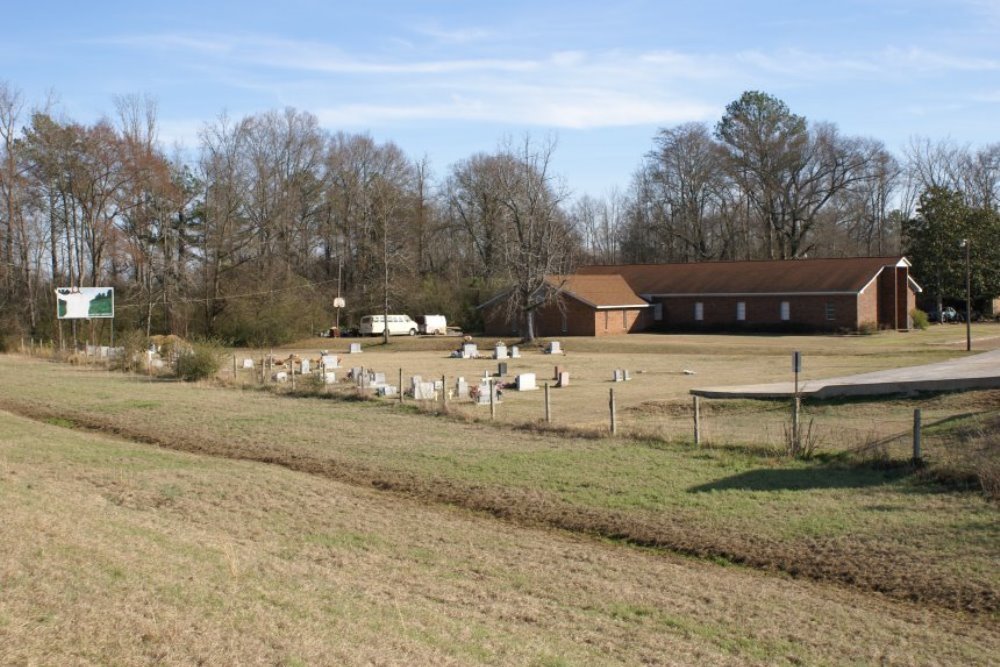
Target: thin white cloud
[(566, 88), (454, 35), (925, 60)]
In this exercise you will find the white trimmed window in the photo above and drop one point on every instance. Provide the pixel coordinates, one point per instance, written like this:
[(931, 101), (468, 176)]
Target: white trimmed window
[(699, 311), (741, 311), (831, 311), (786, 311)]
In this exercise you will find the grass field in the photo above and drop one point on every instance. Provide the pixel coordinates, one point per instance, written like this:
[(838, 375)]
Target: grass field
[(121, 553), (656, 400), (154, 520)]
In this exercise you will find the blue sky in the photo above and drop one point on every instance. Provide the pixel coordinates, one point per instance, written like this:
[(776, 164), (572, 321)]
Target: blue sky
[(446, 79)]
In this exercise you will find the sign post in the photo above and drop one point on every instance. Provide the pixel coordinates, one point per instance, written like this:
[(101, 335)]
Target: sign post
[(796, 368)]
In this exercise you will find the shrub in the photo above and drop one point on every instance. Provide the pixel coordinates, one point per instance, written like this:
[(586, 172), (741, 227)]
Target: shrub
[(133, 345), (920, 320), (868, 328), (199, 361)]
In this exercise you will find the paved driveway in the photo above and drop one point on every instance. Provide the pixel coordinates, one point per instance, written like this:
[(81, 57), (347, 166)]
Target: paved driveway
[(980, 371)]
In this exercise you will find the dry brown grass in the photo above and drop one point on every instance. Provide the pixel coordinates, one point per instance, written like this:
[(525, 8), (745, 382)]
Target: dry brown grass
[(860, 527), (657, 363), (118, 553)]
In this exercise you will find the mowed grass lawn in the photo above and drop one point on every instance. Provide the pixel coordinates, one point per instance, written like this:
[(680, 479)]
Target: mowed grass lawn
[(865, 528), (121, 553)]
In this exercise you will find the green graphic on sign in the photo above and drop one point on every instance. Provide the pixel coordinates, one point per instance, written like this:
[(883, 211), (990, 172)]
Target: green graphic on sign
[(85, 302)]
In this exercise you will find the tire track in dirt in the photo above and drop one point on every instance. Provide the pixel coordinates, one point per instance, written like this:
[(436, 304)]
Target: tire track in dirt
[(866, 567)]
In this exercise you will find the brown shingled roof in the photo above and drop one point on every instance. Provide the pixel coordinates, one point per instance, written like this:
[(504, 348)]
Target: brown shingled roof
[(843, 275), (599, 291)]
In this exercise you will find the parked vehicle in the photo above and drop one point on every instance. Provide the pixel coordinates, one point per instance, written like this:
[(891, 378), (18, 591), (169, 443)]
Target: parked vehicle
[(432, 324), (948, 314), (399, 325)]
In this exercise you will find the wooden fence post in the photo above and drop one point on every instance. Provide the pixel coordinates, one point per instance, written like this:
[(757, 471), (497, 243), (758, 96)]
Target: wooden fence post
[(400, 386), (548, 405), (614, 417), (493, 403), (916, 436), (697, 421)]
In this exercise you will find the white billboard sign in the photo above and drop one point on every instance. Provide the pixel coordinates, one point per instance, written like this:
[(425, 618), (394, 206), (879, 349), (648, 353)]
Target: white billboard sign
[(85, 302)]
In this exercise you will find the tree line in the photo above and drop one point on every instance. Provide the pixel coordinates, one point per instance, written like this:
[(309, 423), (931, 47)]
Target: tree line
[(250, 235)]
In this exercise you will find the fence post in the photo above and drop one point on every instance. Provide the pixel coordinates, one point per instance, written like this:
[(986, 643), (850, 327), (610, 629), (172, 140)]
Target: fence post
[(291, 365), (611, 406), (796, 407), (916, 436), (493, 403), (444, 392), (548, 406), (697, 421), (400, 386), (234, 368)]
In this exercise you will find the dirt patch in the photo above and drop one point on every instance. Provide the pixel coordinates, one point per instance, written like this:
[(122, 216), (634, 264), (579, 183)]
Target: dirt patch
[(862, 565)]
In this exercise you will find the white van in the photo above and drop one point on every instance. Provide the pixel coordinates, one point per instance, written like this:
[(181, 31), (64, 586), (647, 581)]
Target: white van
[(399, 325), (433, 324)]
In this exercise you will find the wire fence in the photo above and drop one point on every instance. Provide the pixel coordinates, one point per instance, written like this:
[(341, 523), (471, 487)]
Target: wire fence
[(892, 429)]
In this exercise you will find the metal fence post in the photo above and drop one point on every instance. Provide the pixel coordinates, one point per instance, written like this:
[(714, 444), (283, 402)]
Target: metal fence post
[(916, 435)]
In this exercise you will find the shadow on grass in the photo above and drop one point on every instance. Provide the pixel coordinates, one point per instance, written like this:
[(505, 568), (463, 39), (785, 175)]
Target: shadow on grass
[(772, 479)]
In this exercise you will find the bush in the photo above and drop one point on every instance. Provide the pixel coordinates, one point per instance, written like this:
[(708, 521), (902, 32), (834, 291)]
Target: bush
[(868, 328), (133, 345), (920, 319), (199, 361)]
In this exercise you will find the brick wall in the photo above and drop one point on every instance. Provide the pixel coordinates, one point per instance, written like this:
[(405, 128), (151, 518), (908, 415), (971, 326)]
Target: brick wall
[(762, 312), (576, 319)]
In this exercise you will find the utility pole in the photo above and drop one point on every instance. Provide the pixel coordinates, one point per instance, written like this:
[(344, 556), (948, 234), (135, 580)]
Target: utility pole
[(968, 297)]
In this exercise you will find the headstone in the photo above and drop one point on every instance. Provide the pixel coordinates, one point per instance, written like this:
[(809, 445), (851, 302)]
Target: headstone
[(330, 378), (304, 366), (438, 385), (355, 348), (247, 364), (563, 379), (378, 378), (461, 388), (555, 347), (628, 376), (502, 369), (414, 381), (385, 390), (280, 376), (483, 398), (618, 375), (424, 391), (486, 375), (470, 351), (515, 352), (329, 361), (500, 351), (526, 382)]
